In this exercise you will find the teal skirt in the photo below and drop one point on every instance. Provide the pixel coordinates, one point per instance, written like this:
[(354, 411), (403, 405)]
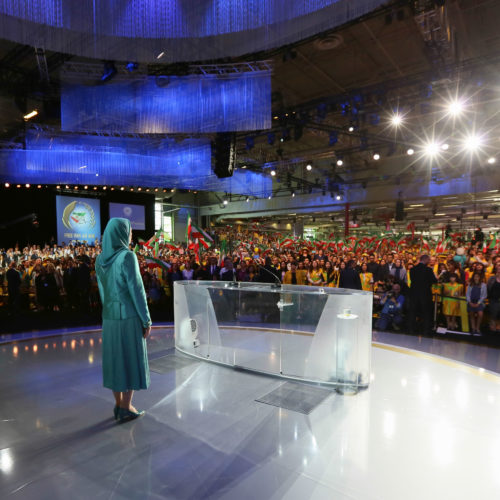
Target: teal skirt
[(124, 355)]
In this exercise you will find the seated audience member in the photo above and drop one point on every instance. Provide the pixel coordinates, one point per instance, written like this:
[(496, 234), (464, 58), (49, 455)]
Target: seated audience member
[(392, 308)]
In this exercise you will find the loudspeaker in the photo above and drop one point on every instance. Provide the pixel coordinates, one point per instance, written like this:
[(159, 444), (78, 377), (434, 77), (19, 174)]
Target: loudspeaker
[(400, 210), (224, 154)]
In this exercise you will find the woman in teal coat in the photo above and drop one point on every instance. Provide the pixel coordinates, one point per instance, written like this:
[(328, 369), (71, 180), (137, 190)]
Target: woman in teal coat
[(125, 319)]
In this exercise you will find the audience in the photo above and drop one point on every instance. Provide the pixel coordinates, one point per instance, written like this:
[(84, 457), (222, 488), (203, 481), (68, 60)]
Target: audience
[(406, 284)]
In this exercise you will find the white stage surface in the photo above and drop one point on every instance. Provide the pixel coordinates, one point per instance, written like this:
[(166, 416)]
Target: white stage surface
[(426, 428)]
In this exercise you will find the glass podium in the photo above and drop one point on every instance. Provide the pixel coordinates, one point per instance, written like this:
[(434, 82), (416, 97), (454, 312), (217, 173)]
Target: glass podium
[(310, 334)]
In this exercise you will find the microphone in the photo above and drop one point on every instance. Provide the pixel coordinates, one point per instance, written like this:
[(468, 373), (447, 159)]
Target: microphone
[(277, 281)]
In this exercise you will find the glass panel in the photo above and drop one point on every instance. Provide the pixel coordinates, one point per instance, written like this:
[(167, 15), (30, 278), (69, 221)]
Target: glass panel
[(320, 335)]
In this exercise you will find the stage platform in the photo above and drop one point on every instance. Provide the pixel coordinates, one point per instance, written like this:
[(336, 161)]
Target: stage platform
[(427, 427)]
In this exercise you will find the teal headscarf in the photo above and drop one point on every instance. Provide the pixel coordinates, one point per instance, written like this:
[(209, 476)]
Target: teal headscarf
[(114, 240)]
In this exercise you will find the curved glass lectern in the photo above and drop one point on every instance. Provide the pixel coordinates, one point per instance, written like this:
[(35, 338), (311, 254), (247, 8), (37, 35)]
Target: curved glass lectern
[(312, 334)]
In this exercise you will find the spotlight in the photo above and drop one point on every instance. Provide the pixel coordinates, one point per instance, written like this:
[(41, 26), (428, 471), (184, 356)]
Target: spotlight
[(396, 120), (109, 71), (293, 194), (30, 115), (376, 156), (492, 160), (104, 188), (269, 197), (95, 188), (160, 55), (351, 129), (455, 107), (156, 190), (139, 189), (39, 186), (340, 163), (225, 202), (472, 142), (7, 185), (410, 151), (338, 197), (445, 146), (58, 187), (67, 187), (85, 187), (123, 189), (273, 172), (309, 167), (247, 199), (172, 190), (112, 188), (431, 149), (27, 186)]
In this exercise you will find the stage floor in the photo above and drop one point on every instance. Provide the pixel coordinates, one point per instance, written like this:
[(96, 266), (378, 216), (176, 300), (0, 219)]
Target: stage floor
[(427, 428)]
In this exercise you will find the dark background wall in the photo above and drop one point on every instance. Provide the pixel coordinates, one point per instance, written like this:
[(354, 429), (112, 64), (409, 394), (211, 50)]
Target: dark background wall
[(16, 203)]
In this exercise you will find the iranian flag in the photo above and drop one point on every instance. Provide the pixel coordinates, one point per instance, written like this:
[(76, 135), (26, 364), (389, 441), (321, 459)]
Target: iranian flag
[(493, 242), (425, 243), (153, 262), (442, 245), (196, 233), (150, 243)]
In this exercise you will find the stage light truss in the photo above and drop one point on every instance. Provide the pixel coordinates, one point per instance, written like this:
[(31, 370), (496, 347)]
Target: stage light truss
[(83, 71)]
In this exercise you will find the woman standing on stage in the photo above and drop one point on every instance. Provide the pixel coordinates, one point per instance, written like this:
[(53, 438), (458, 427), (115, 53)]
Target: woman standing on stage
[(126, 323)]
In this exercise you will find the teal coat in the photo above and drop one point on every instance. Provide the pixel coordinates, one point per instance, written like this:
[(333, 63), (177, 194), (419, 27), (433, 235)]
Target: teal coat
[(124, 312)]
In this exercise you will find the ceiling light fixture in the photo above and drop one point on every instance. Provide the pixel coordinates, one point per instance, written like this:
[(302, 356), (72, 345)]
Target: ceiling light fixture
[(30, 115), (396, 120)]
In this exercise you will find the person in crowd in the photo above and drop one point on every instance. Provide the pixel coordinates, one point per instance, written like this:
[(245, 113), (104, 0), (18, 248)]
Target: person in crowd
[(175, 274), (187, 272), (493, 288), (451, 305), (83, 281), (349, 277), (372, 266), (398, 271), (252, 273), (228, 272), (242, 271), (392, 309), (13, 287), (476, 295), (294, 276), (366, 278), (268, 273), (315, 276), (330, 274), (126, 322), (422, 278)]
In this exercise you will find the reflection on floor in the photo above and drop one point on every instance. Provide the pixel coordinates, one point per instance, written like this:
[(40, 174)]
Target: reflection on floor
[(424, 428)]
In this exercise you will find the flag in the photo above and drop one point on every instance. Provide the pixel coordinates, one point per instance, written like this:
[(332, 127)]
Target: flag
[(425, 243), (196, 233), (153, 262), (136, 248)]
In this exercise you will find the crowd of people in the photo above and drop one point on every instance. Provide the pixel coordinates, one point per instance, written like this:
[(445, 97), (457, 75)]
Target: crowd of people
[(453, 288)]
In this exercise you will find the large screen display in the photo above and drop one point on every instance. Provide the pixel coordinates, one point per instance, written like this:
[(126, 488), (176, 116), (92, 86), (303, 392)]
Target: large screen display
[(134, 213), (78, 219)]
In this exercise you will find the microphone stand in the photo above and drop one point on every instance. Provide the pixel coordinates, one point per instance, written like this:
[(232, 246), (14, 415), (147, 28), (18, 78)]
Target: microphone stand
[(277, 281)]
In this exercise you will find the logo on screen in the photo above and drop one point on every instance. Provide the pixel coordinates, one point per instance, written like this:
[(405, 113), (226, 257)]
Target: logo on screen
[(127, 211), (78, 215)]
